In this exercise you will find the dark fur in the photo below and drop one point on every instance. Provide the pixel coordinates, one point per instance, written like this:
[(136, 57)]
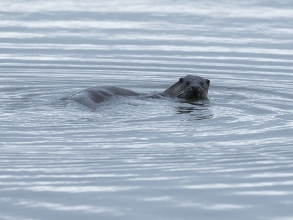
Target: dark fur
[(189, 87)]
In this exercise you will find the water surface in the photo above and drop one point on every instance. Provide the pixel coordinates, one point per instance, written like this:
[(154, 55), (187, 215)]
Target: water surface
[(133, 158)]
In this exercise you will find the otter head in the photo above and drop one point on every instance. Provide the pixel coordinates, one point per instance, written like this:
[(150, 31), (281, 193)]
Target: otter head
[(192, 87)]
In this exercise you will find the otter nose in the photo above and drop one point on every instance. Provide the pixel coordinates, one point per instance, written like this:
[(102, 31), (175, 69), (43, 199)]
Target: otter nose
[(195, 88)]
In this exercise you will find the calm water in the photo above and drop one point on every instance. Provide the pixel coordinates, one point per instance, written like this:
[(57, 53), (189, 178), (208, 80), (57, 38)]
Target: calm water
[(133, 158)]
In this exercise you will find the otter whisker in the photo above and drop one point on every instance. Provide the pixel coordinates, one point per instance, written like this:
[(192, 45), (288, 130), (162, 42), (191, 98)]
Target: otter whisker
[(180, 94)]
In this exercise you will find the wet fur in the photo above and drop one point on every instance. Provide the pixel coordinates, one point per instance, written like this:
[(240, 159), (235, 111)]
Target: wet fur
[(184, 89), (90, 96), (189, 87)]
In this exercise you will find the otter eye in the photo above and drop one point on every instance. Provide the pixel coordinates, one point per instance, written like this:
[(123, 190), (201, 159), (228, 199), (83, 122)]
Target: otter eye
[(201, 83), (181, 80), (187, 83), (208, 81)]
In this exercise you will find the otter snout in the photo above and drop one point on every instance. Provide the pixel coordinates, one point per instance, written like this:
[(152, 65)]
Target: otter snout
[(195, 88), (196, 91), (189, 87)]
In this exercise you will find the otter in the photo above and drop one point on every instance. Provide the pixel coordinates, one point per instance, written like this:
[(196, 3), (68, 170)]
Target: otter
[(189, 87), (90, 96)]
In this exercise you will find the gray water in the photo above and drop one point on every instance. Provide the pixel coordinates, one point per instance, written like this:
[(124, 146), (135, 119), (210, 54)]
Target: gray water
[(144, 158)]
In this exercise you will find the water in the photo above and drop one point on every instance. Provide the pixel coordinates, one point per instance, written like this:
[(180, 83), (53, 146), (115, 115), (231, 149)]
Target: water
[(133, 158)]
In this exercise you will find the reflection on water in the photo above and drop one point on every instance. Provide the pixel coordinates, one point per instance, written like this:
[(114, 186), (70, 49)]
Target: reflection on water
[(149, 157), (197, 110)]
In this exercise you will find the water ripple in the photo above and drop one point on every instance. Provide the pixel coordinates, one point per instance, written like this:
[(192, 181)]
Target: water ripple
[(230, 155)]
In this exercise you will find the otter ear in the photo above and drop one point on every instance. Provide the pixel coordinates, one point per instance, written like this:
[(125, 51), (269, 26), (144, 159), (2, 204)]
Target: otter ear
[(208, 81), (181, 80)]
